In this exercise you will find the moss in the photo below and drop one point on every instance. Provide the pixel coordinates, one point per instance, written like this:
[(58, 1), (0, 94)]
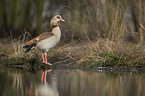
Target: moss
[(113, 61)]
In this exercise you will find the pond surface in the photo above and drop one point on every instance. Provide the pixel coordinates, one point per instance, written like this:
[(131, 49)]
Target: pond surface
[(70, 82)]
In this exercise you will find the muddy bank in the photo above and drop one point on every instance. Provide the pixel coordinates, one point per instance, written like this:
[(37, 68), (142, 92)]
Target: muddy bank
[(103, 53)]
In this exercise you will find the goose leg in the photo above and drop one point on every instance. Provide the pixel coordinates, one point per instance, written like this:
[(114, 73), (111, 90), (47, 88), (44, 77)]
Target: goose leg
[(46, 60), (43, 57)]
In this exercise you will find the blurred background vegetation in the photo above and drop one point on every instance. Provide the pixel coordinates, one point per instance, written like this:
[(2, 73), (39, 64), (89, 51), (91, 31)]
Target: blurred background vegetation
[(85, 19)]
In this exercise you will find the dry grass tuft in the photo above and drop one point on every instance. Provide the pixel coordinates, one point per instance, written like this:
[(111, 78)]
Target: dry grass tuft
[(18, 44), (108, 53)]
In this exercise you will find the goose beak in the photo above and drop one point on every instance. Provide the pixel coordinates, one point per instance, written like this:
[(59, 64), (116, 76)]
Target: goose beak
[(62, 20)]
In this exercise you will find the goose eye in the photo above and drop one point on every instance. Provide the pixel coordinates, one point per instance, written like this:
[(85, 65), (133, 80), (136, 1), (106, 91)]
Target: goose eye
[(58, 17)]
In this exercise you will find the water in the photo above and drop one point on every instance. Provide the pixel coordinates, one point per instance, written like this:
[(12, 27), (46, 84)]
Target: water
[(70, 82)]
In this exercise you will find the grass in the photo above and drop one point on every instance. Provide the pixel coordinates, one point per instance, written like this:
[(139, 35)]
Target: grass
[(103, 53), (18, 44), (106, 53), (12, 52)]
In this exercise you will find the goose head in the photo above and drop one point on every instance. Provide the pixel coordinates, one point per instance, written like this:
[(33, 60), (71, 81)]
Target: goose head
[(55, 20)]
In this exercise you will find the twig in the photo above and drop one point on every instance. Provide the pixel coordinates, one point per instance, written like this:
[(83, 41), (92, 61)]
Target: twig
[(70, 56), (142, 26)]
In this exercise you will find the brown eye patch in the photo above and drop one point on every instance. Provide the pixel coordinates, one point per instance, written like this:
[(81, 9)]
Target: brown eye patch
[(58, 17)]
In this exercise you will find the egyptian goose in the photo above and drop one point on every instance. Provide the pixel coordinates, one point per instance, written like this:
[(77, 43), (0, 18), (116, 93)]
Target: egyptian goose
[(46, 40)]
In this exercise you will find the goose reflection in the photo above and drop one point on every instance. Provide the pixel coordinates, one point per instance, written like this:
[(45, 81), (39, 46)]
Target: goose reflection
[(45, 89)]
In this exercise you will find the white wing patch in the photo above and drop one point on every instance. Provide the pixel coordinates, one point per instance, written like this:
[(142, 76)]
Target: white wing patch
[(37, 39)]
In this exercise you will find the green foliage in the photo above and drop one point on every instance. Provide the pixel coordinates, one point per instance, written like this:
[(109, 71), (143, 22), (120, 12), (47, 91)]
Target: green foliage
[(106, 60)]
